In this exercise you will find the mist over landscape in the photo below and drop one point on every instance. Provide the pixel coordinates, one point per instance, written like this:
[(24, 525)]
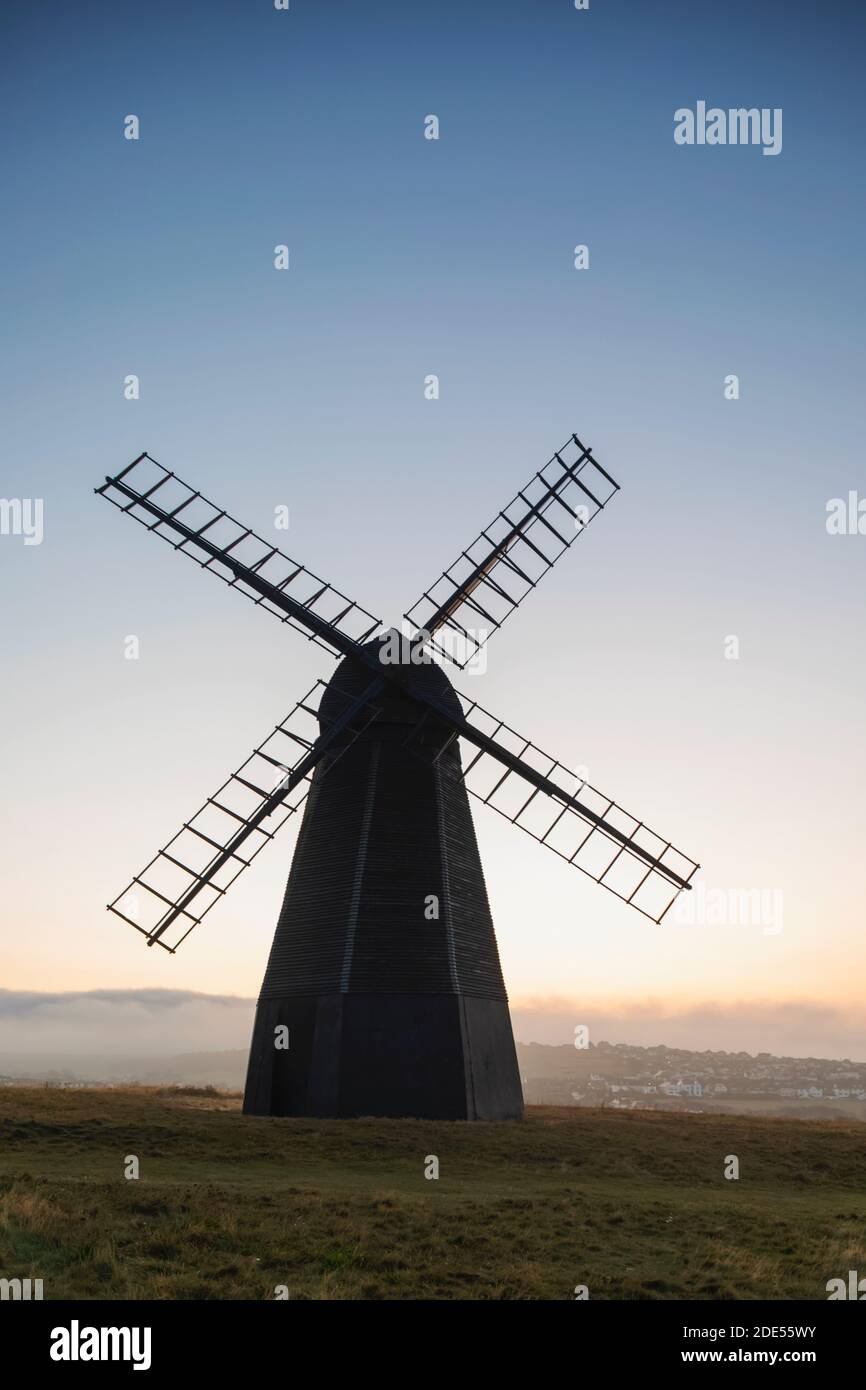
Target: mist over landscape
[(162, 1022), (798, 1059)]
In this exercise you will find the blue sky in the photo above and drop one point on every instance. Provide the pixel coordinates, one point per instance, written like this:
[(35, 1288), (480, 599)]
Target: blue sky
[(305, 388)]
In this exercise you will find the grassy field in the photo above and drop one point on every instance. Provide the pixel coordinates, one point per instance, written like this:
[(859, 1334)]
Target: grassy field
[(633, 1205)]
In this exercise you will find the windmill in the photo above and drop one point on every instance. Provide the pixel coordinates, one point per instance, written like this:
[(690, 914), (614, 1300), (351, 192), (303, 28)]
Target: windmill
[(383, 993)]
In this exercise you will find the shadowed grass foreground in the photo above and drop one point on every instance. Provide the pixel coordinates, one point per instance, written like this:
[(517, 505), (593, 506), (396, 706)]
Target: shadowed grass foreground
[(633, 1205)]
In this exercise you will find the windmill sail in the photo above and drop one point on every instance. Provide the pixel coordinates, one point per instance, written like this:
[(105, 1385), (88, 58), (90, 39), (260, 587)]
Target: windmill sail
[(495, 573), (200, 863), (169, 507), (560, 810)]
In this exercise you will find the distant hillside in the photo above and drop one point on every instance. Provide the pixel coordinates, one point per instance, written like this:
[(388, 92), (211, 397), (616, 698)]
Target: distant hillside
[(623, 1077), (617, 1076), (226, 1069)]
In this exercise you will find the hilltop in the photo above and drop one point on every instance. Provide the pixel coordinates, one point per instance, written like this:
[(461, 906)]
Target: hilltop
[(631, 1204)]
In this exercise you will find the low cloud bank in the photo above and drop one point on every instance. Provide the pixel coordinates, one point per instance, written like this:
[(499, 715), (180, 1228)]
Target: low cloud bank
[(794, 1028), (164, 1022), (108, 1022)]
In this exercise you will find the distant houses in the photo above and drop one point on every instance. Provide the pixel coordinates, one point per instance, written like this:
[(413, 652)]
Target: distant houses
[(625, 1077)]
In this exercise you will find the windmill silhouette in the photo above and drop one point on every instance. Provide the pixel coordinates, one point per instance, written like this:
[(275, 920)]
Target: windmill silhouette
[(383, 993)]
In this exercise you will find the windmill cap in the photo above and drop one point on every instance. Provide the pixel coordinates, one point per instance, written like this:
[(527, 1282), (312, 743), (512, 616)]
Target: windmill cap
[(352, 678)]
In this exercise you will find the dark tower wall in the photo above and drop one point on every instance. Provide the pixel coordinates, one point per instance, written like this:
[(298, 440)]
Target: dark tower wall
[(389, 1012)]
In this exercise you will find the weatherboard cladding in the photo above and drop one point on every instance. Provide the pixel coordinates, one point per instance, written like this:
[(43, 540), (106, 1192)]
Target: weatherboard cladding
[(384, 829)]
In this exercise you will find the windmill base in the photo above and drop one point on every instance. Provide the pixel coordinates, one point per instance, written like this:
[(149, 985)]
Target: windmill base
[(430, 1056)]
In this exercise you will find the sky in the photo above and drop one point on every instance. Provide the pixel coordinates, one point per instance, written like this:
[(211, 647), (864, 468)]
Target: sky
[(304, 388)]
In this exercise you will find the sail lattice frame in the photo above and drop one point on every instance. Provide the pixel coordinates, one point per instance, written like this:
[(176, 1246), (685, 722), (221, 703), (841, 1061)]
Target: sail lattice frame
[(144, 481), (201, 861), (490, 579)]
